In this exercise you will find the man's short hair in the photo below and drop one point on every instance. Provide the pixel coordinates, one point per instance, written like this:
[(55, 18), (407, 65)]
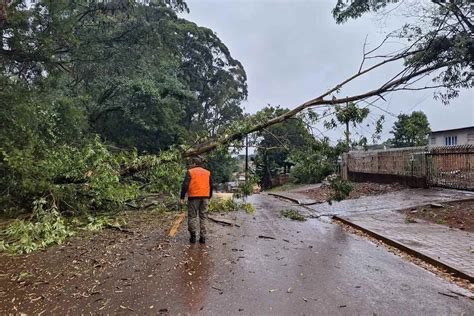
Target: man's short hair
[(198, 160)]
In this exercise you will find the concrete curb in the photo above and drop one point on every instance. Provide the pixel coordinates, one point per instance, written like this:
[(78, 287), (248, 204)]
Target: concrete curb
[(285, 197), (408, 250)]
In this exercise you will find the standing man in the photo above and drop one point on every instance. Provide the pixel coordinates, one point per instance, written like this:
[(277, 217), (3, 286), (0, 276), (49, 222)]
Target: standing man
[(198, 185)]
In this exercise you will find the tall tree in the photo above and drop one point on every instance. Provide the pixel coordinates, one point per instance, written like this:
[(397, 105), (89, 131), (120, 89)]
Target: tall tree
[(411, 130), (348, 115), (145, 77), (136, 75), (276, 143)]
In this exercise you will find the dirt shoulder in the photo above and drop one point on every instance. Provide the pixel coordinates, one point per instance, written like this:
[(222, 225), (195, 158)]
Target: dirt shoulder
[(359, 189), (458, 214), (78, 268)]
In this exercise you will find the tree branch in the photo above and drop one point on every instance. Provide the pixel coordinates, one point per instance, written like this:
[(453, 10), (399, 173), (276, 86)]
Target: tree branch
[(203, 148)]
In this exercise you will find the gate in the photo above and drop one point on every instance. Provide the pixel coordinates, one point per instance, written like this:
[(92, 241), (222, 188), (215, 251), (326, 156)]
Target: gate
[(451, 167)]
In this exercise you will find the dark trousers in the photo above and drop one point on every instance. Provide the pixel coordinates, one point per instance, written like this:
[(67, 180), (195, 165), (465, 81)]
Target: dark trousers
[(198, 206)]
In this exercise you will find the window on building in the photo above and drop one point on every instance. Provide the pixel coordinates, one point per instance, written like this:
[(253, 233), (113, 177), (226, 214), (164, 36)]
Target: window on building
[(451, 140), (470, 136), (433, 140)]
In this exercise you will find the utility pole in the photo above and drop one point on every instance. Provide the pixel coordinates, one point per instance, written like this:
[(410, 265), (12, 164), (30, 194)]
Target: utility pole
[(347, 135), (246, 157), (347, 127)]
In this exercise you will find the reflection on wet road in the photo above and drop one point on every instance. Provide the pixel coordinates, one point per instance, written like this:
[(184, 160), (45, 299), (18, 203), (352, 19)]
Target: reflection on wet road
[(193, 278)]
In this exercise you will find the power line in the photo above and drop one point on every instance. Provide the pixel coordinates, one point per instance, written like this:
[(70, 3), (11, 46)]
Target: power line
[(424, 99), (381, 109)]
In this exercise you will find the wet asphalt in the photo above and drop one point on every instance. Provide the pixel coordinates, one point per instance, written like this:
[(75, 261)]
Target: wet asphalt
[(302, 268), (267, 265)]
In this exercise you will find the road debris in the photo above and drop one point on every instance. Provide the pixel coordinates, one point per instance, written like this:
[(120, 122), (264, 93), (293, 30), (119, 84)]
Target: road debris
[(265, 237), (176, 225), (218, 289), (293, 215), (126, 307), (223, 221), (449, 295)]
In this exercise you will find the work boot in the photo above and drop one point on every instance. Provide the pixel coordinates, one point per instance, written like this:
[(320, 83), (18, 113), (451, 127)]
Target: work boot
[(192, 239), (202, 240)]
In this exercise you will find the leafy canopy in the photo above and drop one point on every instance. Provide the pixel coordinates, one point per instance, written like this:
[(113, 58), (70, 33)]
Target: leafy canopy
[(88, 87), (411, 130)]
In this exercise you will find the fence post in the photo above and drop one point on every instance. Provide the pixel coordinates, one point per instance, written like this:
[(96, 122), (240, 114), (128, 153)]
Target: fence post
[(427, 169)]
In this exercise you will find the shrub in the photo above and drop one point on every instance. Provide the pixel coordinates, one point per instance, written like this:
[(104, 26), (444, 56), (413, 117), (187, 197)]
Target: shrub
[(230, 205), (293, 215), (313, 164), (342, 188)]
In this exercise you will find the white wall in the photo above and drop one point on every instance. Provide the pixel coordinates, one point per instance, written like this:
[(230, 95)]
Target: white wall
[(465, 137)]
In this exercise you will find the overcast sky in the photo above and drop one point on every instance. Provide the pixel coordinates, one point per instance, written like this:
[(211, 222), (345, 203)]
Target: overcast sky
[(292, 51)]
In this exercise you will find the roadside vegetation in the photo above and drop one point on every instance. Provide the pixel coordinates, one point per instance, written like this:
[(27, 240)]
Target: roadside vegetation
[(225, 205)]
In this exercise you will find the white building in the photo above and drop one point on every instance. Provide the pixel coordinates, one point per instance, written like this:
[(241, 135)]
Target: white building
[(452, 137)]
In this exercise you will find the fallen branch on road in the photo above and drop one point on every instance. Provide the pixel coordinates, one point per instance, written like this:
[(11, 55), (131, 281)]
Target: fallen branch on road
[(223, 221)]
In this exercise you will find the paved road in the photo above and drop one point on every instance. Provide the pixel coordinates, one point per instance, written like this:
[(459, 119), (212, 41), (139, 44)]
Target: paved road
[(311, 267), (326, 271)]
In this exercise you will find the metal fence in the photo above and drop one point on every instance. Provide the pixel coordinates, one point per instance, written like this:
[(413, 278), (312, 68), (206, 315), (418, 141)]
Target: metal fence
[(451, 166)]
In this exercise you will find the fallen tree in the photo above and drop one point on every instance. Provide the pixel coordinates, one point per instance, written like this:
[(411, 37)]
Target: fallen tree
[(442, 45), (399, 83)]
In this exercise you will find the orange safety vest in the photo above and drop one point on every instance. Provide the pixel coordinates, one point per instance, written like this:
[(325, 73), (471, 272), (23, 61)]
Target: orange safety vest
[(199, 184)]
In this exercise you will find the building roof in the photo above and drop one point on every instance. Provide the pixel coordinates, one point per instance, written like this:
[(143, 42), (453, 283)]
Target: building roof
[(452, 130)]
